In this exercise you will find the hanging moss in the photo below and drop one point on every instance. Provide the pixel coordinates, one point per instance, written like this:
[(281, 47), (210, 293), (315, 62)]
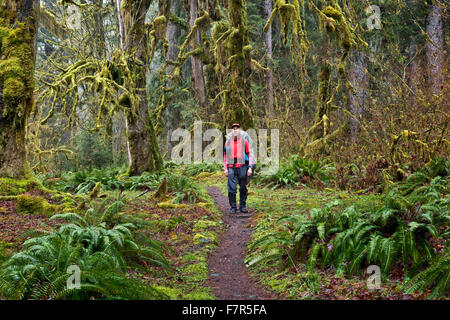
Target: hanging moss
[(232, 54), (124, 100), (333, 13)]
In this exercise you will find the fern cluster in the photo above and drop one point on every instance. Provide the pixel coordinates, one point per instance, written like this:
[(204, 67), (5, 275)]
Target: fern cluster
[(196, 168), (296, 171), (104, 256), (180, 185), (401, 231)]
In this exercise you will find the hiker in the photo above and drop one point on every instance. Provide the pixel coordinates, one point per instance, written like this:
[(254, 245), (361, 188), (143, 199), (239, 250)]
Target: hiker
[(239, 164)]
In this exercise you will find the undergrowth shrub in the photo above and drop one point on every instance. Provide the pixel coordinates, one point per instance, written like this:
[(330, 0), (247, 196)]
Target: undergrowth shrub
[(104, 256), (407, 230), (194, 169), (296, 171), (183, 188), (179, 183)]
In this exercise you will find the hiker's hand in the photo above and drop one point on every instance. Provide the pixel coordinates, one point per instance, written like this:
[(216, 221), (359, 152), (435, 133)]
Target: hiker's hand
[(225, 172), (249, 172)]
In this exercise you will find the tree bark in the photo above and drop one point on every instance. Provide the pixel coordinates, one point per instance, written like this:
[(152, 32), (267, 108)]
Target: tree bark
[(268, 45), (143, 145), (17, 56), (197, 64), (172, 34), (435, 49), (238, 96), (323, 94), (358, 96)]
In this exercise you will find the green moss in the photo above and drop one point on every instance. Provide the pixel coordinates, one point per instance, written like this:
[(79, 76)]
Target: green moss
[(13, 187), (30, 204), (205, 238), (16, 80), (196, 271), (95, 191), (192, 257), (13, 91), (10, 68), (199, 294), (204, 224), (172, 293), (169, 205), (332, 13), (197, 268)]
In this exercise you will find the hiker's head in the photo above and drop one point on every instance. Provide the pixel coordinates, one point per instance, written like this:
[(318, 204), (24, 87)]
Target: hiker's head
[(236, 130)]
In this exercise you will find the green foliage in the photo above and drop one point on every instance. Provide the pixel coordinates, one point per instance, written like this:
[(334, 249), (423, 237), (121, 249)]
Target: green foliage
[(184, 188), (142, 182), (30, 204), (399, 231), (103, 255), (436, 275), (194, 169), (84, 181), (296, 171), (94, 150)]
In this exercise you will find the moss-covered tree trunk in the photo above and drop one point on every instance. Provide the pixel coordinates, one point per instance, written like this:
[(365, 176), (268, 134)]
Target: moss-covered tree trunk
[(323, 94), (171, 114), (143, 146), (196, 63), (358, 96), (267, 10), (238, 97), (435, 49), (18, 29)]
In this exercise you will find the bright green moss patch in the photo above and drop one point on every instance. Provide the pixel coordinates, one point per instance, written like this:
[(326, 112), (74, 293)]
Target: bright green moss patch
[(32, 204), (333, 13), (172, 293), (197, 271), (204, 224), (205, 238), (199, 294), (17, 60), (13, 187), (170, 205), (192, 257)]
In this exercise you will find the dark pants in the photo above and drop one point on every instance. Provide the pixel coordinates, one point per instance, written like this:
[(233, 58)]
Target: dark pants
[(235, 176)]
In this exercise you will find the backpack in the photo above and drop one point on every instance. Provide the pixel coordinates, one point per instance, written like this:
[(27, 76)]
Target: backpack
[(246, 137)]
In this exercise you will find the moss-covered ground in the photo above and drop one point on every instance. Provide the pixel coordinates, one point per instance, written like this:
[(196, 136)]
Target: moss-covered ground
[(191, 231)]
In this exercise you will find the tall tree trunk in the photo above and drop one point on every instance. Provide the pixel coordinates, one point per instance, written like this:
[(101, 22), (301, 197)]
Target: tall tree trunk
[(122, 47), (99, 32), (323, 93), (435, 49), (17, 57), (197, 64), (268, 44), (143, 145), (172, 34), (357, 97), (238, 97)]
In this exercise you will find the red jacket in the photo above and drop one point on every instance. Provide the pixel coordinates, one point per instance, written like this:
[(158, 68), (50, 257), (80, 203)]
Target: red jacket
[(237, 156)]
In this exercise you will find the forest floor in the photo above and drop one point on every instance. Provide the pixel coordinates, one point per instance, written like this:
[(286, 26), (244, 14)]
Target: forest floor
[(210, 250), (242, 280)]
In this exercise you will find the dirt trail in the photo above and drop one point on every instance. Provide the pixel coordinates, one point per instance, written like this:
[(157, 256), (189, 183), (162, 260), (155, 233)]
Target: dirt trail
[(229, 279)]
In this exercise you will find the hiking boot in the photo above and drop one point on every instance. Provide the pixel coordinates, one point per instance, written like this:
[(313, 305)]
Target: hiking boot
[(243, 209), (233, 210)]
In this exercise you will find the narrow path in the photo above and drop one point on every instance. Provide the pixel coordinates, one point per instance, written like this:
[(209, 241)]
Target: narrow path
[(229, 279)]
